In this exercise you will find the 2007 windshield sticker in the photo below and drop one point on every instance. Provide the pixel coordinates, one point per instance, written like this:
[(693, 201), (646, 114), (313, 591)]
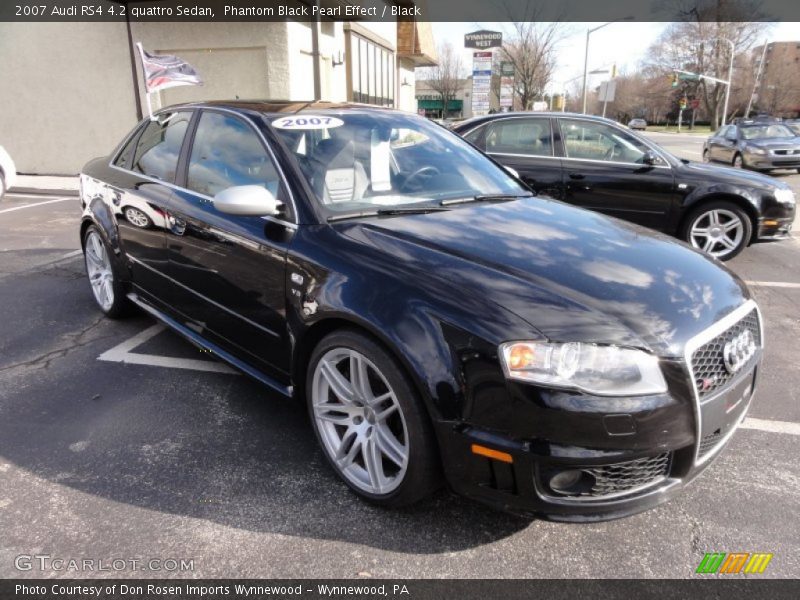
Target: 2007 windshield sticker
[(307, 122)]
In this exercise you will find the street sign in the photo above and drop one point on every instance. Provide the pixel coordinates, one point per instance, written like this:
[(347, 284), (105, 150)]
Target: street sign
[(607, 91), (481, 82), (483, 39), (507, 68)]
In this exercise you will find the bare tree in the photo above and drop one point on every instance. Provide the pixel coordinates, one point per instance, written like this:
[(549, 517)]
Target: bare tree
[(445, 77), (699, 45), (531, 48)]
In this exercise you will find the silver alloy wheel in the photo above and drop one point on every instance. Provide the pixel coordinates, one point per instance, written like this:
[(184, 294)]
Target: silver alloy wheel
[(360, 421), (717, 232), (98, 267), (137, 217)]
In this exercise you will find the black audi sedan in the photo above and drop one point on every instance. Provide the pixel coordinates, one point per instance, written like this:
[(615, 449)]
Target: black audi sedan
[(440, 321), (597, 164)]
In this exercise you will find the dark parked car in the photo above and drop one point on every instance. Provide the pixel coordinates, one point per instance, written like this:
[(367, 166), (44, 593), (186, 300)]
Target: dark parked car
[(639, 124), (594, 163), (755, 144), (434, 315)]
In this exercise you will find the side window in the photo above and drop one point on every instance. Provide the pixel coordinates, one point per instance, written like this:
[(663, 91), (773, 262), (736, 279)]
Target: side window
[(227, 152), (597, 141), (159, 146), (531, 137), (474, 137), (125, 156), (730, 132)]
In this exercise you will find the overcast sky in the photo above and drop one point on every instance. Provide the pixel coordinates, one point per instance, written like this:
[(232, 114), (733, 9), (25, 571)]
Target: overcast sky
[(622, 43)]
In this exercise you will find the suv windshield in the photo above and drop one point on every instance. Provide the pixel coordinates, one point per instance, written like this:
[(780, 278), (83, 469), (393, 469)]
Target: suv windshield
[(760, 132), (359, 161)]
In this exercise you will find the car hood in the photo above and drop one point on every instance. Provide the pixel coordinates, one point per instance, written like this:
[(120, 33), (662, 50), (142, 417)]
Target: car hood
[(572, 274), (720, 174)]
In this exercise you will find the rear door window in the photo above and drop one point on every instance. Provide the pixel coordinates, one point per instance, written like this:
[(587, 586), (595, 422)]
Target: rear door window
[(159, 146), (528, 137)]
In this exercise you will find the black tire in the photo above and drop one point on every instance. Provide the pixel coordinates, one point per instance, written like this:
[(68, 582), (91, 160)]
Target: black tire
[(119, 306), (423, 472), (700, 213)]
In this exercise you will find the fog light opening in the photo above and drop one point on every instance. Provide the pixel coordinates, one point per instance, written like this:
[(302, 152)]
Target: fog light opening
[(571, 482)]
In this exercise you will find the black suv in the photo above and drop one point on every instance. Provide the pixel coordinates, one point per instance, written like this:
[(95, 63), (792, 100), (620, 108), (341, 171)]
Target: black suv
[(434, 315), (597, 164)]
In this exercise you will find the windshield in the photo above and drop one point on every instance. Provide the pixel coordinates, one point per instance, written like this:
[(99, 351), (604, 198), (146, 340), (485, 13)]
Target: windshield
[(759, 132), (359, 161)]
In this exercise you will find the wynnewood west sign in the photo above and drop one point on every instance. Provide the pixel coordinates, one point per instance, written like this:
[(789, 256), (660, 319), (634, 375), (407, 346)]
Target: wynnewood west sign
[(483, 39)]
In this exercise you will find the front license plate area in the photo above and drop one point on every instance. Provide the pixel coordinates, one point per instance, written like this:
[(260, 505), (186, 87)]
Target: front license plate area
[(722, 413)]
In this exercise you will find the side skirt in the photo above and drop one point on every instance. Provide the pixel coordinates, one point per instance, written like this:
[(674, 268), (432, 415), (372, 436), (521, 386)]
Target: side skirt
[(199, 340)]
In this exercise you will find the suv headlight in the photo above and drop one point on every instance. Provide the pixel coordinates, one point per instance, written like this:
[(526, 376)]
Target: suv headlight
[(595, 369), (784, 196)]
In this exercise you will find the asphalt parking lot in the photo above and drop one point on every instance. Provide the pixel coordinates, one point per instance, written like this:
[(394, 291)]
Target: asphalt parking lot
[(119, 440)]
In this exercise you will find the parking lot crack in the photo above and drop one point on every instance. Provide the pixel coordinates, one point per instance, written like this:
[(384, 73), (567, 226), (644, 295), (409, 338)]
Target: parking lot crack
[(74, 341)]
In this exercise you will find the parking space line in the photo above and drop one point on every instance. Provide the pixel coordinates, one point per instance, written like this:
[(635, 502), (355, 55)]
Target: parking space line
[(778, 284), (771, 426), (35, 204), (123, 353)]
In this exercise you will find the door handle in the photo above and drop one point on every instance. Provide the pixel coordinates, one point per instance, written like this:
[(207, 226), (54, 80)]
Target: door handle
[(577, 176)]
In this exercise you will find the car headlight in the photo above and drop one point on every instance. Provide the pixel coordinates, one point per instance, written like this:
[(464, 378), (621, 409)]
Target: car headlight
[(755, 150), (592, 368), (784, 196)]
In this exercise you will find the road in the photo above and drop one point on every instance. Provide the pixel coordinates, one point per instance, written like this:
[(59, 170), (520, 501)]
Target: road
[(119, 440)]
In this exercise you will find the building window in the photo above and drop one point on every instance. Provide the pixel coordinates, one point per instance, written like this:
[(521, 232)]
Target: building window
[(372, 72)]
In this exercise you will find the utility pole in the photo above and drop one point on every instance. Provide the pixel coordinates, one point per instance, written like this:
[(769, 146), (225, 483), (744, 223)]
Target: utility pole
[(757, 80)]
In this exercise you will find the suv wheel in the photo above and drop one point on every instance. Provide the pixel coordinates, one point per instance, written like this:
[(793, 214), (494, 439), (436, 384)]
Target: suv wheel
[(106, 286), (720, 229), (370, 423)]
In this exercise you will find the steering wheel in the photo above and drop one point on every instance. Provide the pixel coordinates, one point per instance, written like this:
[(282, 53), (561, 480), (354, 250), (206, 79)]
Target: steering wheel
[(422, 173)]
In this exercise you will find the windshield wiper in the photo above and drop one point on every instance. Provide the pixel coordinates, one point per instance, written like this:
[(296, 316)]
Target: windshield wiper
[(485, 198), (408, 210)]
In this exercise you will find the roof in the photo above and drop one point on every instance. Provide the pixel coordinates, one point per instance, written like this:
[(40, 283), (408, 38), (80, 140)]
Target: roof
[(550, 114), (286, 106)]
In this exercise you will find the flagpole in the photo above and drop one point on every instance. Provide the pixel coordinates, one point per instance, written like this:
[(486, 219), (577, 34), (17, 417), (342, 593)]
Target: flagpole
[(144, 74)]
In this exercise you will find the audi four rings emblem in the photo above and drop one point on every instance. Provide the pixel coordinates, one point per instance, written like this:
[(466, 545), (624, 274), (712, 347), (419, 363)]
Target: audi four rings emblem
[(738, 351)]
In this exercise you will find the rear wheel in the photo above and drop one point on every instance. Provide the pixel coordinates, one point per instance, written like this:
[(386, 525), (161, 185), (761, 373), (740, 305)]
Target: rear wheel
[(106, 286), (369, 421), (720, 229)]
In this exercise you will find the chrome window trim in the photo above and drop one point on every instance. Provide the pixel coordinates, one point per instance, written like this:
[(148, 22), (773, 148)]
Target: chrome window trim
[(693, 344), (206, 298), (289, 224)]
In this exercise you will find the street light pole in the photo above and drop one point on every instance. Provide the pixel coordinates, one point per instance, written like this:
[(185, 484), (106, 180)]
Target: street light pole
[(586, 55), (730, 77)]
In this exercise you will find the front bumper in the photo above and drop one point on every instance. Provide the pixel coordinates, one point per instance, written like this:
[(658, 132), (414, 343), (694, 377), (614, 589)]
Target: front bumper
[(771, 161)]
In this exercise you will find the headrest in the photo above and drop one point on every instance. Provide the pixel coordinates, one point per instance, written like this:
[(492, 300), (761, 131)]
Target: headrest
[(335, 153)]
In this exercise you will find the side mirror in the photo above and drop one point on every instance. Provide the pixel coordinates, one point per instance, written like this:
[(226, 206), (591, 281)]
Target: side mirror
[(513, 172), (649, 158), (247, 200)]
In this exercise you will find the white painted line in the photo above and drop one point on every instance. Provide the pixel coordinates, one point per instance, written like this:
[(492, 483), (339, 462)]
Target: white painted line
[(778, 284), (34, 205), (123, 353), (771, 426)]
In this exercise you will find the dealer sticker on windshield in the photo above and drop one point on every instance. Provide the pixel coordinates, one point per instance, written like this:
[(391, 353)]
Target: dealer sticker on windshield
[(307, 122)]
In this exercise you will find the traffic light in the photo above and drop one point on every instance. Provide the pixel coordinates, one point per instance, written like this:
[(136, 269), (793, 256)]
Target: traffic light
[(674, 79)]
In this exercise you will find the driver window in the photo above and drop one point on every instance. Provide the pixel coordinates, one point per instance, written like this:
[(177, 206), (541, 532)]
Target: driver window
[(598, 141)]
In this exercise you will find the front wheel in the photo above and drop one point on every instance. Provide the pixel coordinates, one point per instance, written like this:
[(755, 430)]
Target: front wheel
[(369, 421), (106, 286), (720, 229)]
